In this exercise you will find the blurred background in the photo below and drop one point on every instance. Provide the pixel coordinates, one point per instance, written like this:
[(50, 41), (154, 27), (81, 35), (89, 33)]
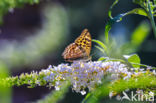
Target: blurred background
[(34, 36)]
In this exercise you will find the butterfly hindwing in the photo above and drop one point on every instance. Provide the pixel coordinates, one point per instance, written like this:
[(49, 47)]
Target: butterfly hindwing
[(72, 52)]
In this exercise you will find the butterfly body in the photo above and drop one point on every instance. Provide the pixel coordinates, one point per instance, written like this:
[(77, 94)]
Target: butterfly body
[(80, 49)]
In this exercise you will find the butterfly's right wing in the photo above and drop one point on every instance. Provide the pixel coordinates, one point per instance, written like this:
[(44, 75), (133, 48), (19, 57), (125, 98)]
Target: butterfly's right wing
[(72, 52)]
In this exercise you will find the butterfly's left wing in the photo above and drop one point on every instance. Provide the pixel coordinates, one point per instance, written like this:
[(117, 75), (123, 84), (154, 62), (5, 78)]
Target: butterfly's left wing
[(84, 41)]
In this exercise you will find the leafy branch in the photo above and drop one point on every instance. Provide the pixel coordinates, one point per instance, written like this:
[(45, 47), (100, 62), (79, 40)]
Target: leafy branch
[(141, 82), (149, 7), (148, 10)]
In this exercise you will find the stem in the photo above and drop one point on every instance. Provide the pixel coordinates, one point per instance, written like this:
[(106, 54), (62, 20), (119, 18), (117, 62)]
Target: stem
[(151, 18)]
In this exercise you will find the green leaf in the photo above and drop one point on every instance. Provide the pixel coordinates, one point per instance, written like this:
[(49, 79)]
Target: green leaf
[(154, 2), (138, 37), (134, 58), (140, 34), (101, 44), (99, 93), (86, 98), (102, 58), (101, 49), (138, 11)]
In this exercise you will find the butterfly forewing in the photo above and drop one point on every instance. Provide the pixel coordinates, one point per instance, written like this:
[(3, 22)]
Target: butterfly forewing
[(84, 41), (80, 49)]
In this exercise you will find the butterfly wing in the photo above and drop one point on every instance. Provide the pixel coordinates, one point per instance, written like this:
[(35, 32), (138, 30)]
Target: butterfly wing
[(84, 42), (72, 52)]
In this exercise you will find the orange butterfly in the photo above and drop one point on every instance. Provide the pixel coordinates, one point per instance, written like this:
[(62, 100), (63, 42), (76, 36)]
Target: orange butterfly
[(80, 49)]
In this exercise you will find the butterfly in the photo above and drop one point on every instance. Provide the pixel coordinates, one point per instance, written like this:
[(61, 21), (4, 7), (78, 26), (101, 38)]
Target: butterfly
[(80, 49)]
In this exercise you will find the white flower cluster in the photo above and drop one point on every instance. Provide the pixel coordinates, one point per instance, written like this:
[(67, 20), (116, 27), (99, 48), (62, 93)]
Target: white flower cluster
[(84, 75)]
